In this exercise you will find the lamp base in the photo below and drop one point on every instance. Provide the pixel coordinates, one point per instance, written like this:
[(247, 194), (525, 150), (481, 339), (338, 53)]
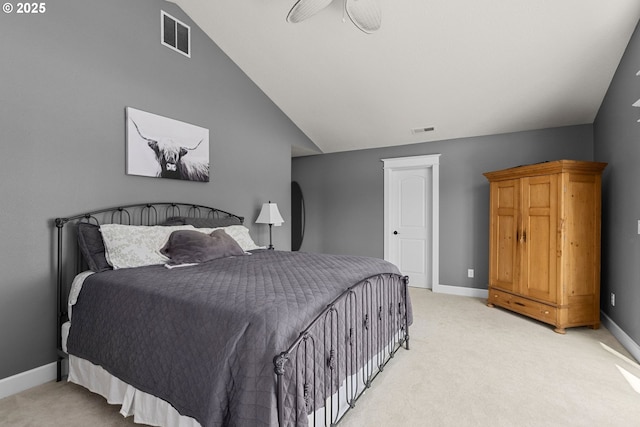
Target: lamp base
[(270, 240)]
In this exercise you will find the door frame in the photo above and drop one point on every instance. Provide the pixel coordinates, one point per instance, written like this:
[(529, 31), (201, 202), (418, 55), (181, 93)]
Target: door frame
[(417, 162)]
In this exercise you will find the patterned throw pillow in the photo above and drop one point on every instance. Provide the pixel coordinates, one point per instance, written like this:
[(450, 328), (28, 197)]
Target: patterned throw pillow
[(136, 245), (240, 234)]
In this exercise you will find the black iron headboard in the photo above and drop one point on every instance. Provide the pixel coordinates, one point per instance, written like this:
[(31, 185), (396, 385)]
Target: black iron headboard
[(70, 262)]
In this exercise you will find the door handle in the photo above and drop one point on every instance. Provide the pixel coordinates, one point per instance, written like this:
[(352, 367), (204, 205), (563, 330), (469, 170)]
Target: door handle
[(395, 232)]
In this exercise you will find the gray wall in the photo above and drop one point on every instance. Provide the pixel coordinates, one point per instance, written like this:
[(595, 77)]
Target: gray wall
[(617, 142), (65, 80), (344, 194)]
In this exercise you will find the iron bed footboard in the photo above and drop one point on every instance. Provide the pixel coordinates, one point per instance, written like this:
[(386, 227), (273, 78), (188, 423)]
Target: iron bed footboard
[(335, 359)]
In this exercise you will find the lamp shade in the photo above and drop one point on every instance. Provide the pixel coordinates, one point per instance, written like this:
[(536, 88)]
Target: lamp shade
[(270, 214)]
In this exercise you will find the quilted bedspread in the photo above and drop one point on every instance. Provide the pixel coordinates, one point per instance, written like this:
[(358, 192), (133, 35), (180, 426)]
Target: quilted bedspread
[(203, 337)]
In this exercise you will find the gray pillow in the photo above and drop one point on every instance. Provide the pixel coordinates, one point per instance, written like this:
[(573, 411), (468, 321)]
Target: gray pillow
[(203, 222), (191, 246), (92, 246)]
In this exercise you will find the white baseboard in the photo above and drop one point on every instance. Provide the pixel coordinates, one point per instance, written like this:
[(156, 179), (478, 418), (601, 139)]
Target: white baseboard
[(461, 291), (629, 344), (26, 380)]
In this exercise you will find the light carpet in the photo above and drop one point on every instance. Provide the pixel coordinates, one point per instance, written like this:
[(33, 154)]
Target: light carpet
[(469, 365)]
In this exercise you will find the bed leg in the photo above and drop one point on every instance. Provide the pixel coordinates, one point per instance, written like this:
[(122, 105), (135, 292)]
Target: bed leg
[(279, 361), (62, 356), (405, 281), (59, 370)]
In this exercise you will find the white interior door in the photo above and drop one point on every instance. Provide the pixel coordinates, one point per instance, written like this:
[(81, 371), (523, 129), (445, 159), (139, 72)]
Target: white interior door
[(409, 221), (411, 237)]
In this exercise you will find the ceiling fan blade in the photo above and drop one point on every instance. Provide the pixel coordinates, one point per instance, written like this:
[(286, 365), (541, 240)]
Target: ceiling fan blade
[(365, 14), (304, 9)]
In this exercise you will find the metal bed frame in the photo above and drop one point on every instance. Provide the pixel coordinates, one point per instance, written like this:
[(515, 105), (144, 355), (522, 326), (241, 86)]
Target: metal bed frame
[(356, 335)]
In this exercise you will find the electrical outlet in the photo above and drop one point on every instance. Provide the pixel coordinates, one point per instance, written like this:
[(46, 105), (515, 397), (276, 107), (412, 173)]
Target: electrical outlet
[(470, 272), (613, 299)]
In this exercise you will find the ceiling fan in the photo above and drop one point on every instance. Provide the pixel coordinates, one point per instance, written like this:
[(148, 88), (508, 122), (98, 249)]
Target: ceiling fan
[(365, 14)]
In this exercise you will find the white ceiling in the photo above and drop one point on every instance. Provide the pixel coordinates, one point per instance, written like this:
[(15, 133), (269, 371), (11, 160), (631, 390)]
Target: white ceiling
[(465, 67)]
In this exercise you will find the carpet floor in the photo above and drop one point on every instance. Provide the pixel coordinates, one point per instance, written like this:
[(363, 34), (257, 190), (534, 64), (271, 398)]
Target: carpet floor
[(469, 365)]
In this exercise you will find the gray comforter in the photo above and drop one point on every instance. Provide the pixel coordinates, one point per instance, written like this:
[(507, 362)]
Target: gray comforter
[(203, 337)]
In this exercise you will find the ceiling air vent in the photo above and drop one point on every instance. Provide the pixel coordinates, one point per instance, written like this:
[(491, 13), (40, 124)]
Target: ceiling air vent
[(175, 34), (422, 130)]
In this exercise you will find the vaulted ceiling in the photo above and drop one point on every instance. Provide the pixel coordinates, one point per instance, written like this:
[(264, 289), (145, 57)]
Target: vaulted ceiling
[(464, 67)]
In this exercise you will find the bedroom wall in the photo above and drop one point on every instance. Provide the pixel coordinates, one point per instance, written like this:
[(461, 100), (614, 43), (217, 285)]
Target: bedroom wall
[(66, 77), (617, 142), (344, 194)]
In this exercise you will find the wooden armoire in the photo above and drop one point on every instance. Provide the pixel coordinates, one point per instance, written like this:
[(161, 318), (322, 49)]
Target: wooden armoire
[(545, 242)]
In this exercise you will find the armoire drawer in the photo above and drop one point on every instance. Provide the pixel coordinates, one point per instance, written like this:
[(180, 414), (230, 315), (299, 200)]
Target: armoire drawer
[(542, 312)]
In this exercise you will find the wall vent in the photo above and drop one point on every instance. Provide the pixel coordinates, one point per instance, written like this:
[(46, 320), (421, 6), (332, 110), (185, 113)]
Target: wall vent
[(175, 34), (422, 130)]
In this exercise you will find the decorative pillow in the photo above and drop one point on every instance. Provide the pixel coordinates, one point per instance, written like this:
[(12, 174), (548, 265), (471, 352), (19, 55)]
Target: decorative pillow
[(240, 234), (203, 222), (92, 246), (136, 245), (191, 246)]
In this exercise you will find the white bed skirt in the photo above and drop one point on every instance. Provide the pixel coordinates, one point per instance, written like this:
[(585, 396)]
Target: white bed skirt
[(144, 407)]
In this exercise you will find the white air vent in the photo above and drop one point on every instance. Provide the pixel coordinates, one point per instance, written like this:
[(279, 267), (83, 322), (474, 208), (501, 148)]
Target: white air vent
[(175, 34), (422, 130)]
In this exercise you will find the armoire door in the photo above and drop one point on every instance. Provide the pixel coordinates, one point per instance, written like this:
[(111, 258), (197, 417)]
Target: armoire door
[(539, 236), (505, 201)]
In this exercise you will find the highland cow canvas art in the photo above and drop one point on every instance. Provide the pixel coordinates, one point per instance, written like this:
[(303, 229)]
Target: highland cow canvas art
[(166, 148)]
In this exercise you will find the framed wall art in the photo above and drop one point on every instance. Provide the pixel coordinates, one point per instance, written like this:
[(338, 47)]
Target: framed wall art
[(161, 147)]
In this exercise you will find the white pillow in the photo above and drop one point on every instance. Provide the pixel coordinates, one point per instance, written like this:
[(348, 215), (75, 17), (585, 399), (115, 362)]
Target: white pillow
[(240, 234), (136, 245)]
